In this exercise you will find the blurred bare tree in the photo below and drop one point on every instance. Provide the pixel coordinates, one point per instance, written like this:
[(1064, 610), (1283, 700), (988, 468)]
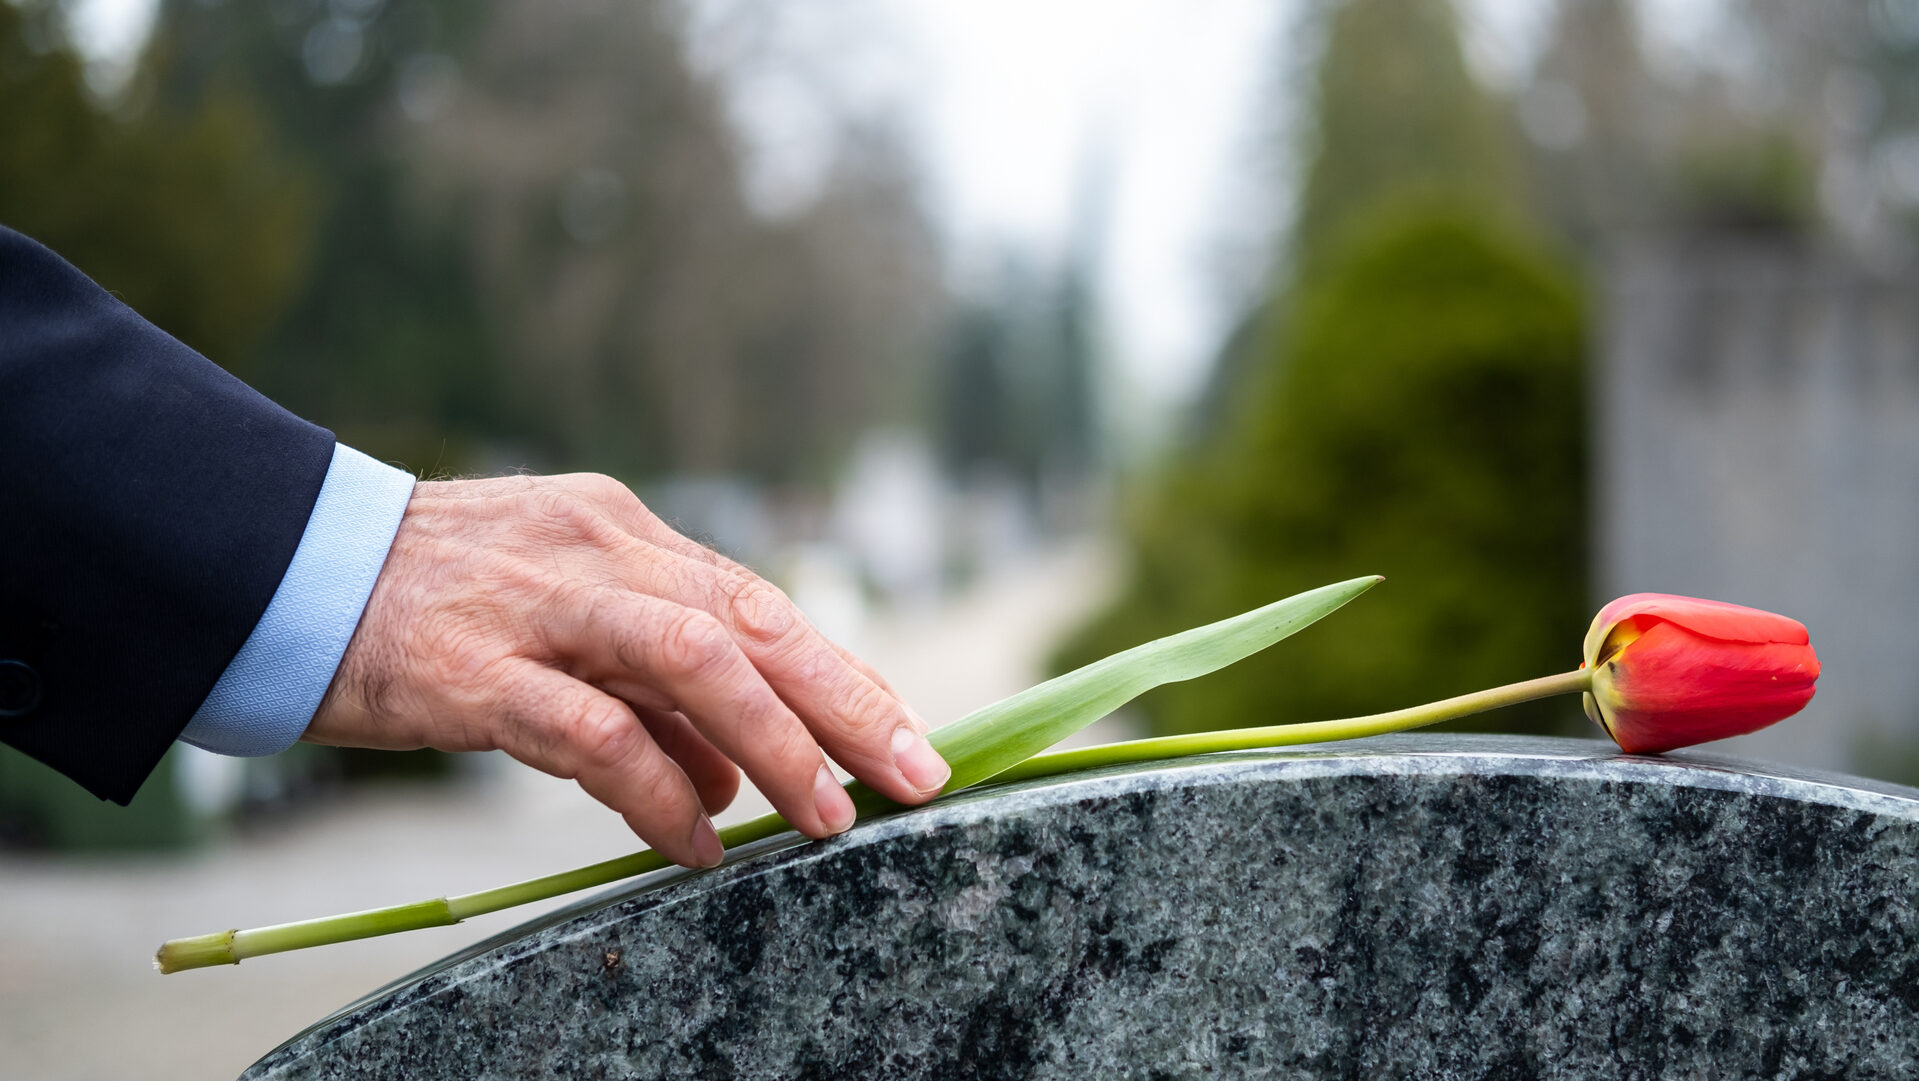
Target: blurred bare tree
[(535, 247), (1589, 112), (1017, 389), (1772, 132), (848, 304)]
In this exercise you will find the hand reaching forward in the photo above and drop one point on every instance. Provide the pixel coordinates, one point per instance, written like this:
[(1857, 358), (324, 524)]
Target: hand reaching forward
[(556, 618)]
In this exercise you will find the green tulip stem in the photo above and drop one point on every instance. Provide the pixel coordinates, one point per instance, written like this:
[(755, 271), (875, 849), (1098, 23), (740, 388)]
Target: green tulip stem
[(1045, 765), (1289, 735), (977, 746), (229, 947)]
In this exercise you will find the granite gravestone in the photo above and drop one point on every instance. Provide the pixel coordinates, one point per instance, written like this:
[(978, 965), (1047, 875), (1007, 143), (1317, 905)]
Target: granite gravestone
[(1421, 907)]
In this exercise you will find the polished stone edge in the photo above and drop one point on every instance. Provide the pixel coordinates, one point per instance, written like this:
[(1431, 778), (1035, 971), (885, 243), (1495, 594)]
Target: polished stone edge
[(1592, 758), (1412, 754)]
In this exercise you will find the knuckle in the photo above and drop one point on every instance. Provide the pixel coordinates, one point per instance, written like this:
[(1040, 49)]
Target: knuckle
[(606, 735), (566, 516), (604, 489), (485, 730), (662, 789), (460, 656), (790, 746), (695, 644), (868, 713), (758, 608)]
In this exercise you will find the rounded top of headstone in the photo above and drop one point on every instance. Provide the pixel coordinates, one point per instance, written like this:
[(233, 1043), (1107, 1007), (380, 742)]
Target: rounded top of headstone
[(1423, 905)]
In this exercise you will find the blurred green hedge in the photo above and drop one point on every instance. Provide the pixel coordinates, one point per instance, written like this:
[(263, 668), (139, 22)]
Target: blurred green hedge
[(1421, 416)]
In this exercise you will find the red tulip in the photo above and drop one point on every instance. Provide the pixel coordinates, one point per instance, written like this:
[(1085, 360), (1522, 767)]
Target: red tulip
[(1673, 671)]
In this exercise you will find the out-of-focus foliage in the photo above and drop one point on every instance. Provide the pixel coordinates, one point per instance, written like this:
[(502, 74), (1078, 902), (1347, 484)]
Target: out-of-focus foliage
[(1421, 420), (485, 235), (187, 214), (1396, 114), (1758, 182), (1410, 405), (385, 343), (1396, 110), (1585, 113)]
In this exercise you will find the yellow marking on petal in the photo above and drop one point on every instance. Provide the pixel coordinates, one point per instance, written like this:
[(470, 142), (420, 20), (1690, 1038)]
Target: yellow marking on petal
[(1623, 634)]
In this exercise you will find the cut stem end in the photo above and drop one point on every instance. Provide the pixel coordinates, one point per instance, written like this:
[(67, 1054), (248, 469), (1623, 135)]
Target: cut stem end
[(200, 951)]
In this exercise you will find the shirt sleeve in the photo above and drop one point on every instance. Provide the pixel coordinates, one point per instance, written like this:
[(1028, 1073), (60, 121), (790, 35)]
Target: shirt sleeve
[(268, 694)]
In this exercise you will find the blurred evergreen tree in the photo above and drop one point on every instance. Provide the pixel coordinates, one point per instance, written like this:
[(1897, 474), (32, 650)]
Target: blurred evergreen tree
[(1397, 111), (186, 213), (1586, 110), (1017, 396), (1411, 405), (1422, 421), (386, 342)]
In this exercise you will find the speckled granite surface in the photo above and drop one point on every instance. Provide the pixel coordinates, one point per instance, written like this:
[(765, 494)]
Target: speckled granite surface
[(1420, 907)]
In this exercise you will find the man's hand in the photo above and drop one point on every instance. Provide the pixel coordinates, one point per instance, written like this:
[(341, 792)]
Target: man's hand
[(556, 618)]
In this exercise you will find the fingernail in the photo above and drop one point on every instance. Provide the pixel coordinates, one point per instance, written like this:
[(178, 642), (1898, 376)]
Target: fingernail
[(835, 806), (919, 763), (706, 844)]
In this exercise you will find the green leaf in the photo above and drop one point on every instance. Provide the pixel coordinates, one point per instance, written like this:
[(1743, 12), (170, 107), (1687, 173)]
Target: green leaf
[(977, 746), (1009, 731)]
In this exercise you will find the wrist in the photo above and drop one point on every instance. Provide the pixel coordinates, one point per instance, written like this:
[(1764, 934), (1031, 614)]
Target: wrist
[(271, 689)]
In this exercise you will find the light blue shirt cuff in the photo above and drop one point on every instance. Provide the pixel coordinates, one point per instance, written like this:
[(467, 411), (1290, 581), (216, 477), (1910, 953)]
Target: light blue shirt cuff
[(271, 689)]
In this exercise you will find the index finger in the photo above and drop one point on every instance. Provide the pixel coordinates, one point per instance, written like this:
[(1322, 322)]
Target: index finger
[(859, 722), (856, 717)]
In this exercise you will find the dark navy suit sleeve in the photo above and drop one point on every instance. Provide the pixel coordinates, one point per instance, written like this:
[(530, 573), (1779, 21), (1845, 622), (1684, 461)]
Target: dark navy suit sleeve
[(149, 505)]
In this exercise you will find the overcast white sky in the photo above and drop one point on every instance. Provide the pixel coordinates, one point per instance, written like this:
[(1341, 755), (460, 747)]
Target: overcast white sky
[(1008, 99), (1014, 102), (1174, 97)]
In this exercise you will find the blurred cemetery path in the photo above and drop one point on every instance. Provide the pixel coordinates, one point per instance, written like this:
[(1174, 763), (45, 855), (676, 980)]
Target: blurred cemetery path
[(80, 1001)]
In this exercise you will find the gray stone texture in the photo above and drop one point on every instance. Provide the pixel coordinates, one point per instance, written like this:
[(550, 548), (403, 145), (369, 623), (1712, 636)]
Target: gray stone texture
[(1418, 907)]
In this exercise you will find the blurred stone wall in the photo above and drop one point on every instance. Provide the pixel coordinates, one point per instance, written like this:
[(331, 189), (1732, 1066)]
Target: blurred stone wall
[(1756, 440)]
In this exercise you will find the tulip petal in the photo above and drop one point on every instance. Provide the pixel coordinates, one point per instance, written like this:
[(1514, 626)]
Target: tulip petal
[(1672, 687), (1593, 714), (1712, 619)]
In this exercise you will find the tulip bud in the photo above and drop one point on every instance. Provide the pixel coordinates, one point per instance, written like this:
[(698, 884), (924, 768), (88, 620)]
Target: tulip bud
[(1674, 671)]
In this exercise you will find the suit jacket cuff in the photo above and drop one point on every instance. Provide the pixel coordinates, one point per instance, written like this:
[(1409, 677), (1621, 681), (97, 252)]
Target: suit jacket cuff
[(269, 692)]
